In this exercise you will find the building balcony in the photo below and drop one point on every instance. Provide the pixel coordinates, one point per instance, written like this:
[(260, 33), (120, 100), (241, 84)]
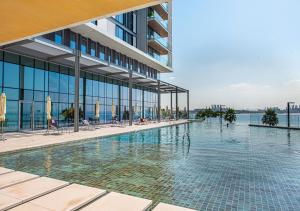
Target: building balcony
[(157, 23), (164, 59), (162, 10), (158, 43)]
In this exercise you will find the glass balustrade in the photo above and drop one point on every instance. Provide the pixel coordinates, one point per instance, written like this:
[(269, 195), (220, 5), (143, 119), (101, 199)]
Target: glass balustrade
[(154, 15), (152, 35)]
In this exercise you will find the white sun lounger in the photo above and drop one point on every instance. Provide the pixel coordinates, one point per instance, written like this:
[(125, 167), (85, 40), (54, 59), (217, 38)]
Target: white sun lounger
[(116, 202)]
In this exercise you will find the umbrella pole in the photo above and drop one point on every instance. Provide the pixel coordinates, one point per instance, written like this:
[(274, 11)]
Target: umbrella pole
[(2, 136)]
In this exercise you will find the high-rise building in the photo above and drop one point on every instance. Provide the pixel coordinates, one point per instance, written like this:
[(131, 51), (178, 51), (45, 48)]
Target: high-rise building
[(116, 61)]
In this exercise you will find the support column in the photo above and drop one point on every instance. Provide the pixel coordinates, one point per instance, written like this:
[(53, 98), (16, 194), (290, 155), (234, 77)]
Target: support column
[(171, 105), (130, 98), (288, 115), (177, 110), (143, 104), (119, 103), (188, 104), (158, 100), (77, 79)]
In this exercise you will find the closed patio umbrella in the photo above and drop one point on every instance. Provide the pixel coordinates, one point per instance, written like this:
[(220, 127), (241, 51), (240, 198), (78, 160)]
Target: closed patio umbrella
[(113, 112), (167, 111), (48, 110), (2, 107), (2, 111), (135, 109), (97, 110)]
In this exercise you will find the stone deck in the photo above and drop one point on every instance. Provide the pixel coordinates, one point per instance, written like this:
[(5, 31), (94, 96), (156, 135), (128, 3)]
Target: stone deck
[(44, 194), (21, 141)]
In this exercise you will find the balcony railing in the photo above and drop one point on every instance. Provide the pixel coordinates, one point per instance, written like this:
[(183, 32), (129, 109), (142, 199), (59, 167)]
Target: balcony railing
[(156, 37), (164, 59), (154, 15), (165, 6)]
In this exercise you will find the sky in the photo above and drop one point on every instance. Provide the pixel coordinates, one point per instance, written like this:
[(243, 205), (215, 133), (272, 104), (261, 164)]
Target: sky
[(241, 53)]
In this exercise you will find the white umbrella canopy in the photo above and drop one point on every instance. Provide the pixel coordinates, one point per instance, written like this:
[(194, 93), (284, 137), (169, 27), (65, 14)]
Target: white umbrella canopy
[(2, 107), (48, 108), (97, 110), (113, 112)]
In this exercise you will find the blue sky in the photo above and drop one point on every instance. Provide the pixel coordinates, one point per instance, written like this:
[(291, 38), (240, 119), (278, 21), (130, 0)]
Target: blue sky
[(241, 53)]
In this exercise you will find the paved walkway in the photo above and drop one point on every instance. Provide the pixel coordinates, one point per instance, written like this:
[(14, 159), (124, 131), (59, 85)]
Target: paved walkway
[(30, 192), (19, 141)]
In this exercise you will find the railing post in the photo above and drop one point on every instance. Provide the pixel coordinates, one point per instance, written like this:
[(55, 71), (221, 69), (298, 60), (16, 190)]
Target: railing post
[(177, 109), (188, 104), (171, 104)]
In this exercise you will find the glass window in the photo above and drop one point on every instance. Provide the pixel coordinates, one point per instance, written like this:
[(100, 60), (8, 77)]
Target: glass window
[(38, 96), (95, 86), (119, 32), (120, 18), (28, 77), (53, 82), (115, 91), (39, 79), (11, 94), (63, 98), (39, 115), (58, 38), (102, 53), (46, 81), (72, 40), (81, 86), (12, 115), (1, 73), (93, 48), (71, 99), (101, 89), (109, 90), (28, 95), (54, 96), (95, 22), (63, 83), (29, 62), (71, 84), (39, 64), (11, 58), (11, 75), (89, 87), (83, 45)]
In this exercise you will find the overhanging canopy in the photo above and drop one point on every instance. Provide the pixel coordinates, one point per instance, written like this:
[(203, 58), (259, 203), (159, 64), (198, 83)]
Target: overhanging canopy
[(22, 19)]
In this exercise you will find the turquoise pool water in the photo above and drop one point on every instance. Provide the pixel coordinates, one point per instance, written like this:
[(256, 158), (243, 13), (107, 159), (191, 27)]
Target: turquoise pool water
[(192, 165)]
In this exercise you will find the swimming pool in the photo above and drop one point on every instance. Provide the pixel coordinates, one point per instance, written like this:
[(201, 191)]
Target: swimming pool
[(193, 165)]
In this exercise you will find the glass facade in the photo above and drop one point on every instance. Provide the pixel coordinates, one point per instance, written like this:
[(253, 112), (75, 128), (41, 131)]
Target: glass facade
[(95, 49), (27, 82), (126, 27)]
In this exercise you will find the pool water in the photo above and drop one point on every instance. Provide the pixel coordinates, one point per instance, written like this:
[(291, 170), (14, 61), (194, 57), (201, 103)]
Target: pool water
[(194, 165)]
